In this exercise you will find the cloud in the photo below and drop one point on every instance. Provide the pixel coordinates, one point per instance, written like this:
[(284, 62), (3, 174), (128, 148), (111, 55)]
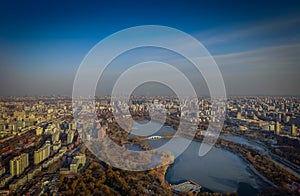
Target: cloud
[(227, 34), (265, 71), (282, 58)]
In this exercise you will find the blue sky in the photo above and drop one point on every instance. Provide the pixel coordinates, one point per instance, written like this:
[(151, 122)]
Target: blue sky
[(256, 44)]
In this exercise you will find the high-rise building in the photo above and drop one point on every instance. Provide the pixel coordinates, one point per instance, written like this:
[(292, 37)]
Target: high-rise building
[(18, 164), (56, 146), (55, 136), (287, 119), (272, 127), (277, 128), (239, 115), (72, 125), (2, 171), (74, 165), (77, 162), (57, 125), (42, 153), (70, 137), (39, 131), (294, 130)]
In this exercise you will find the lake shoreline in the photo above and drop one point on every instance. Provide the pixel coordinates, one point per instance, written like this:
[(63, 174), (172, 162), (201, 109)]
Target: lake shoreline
[(248, 156), (204, 188)]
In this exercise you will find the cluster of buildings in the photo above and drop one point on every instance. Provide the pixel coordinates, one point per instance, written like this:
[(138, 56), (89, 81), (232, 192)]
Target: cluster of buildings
[(201, 107), (18, 114), (37, 131), (279, 115)]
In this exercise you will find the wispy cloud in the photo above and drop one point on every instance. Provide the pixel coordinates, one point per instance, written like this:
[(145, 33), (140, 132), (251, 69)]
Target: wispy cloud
[(283, 58), (227, 34), (269, 70)]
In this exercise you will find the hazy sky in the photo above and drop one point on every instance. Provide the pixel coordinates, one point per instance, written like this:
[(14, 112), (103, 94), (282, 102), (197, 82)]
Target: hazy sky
[(256, 44)]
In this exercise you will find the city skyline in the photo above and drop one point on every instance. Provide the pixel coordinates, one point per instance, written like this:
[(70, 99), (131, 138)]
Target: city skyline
[(46, 147)]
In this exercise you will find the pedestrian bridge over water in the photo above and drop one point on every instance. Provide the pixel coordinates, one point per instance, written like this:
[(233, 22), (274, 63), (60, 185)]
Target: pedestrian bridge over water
[(156, 137)]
